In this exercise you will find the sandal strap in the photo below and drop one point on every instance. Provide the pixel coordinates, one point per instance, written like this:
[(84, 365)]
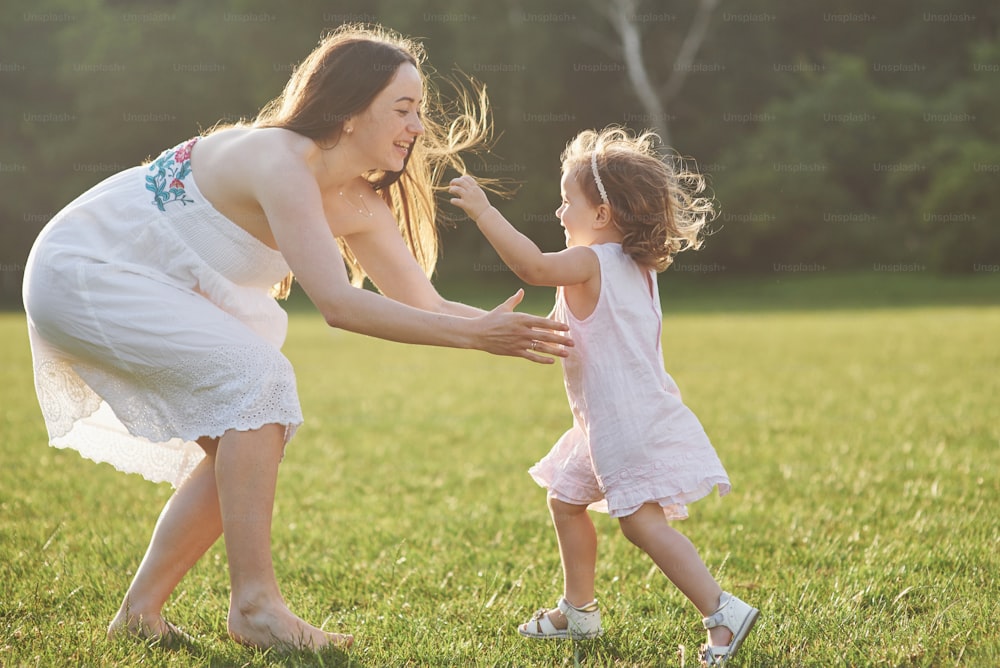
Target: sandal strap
[(584, 620), (563, 604), (730, 613), (544, 625), (713, 655), (735, 615), (539, 614)]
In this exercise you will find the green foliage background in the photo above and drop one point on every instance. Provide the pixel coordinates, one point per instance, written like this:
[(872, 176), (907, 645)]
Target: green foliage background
[(839, 137)]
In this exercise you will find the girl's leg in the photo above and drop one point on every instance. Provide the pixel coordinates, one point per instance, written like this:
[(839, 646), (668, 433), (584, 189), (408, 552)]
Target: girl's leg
[(578, 552), (246, 473), (677, 557), (188, 525)]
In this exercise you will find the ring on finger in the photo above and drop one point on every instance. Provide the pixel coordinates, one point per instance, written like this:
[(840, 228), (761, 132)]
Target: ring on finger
[(534, 344)]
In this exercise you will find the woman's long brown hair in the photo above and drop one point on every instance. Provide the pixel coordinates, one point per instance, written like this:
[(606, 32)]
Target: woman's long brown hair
[(339, 79)]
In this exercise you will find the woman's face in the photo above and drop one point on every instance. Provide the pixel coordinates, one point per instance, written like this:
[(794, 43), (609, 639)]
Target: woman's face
[(388, 128)]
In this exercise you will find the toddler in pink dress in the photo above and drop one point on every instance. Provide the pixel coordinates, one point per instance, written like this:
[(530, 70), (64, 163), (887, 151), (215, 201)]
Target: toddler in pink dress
[(635, 450)]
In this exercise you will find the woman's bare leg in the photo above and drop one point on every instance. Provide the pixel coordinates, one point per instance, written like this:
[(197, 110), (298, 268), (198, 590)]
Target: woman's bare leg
[(243, 482), (677, 557), (246, 473), (188, 525)]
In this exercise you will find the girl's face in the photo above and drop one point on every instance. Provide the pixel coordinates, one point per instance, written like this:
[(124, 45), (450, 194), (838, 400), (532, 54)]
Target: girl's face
[(388, 128), (577, 215)]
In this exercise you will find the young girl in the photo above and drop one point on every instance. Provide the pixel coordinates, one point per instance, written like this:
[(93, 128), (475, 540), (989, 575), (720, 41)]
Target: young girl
[(635, 450)]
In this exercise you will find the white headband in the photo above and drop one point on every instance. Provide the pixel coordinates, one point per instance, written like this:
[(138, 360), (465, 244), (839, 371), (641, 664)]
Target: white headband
[(597, 178)]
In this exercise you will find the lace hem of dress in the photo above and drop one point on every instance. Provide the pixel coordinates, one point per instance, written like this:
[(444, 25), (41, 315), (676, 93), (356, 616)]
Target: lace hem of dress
[(147, 423), (671, 485), (103, 440)]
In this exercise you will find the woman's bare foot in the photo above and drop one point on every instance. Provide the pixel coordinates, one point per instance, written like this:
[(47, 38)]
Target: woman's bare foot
[(150, 628), (276, 626)]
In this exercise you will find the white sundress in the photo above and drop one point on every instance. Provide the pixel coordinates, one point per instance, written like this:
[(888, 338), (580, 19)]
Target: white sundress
[(633, 441), (151, 323)]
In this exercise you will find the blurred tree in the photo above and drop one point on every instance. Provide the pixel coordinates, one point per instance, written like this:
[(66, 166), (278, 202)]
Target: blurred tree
[(625, 18), (528, 56), (35, 113), (953, 197), (806, 186), (800, 112)]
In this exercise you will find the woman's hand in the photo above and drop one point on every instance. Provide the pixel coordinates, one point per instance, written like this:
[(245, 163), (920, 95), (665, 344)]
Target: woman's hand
[(505, 332), (468, 196)]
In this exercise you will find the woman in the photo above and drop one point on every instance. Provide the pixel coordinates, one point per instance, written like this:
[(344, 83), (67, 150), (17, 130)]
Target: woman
[(156, 341)]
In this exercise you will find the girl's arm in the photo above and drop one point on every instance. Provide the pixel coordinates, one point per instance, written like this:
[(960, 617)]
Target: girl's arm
[(571, 266), (292, 202)]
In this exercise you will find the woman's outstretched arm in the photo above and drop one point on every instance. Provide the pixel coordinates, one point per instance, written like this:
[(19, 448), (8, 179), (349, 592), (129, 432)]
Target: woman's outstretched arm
[(293, 205), (379, 248)]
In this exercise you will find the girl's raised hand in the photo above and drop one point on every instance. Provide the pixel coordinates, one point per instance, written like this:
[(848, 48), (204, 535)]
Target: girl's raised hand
[(468, 196), (505, 332)]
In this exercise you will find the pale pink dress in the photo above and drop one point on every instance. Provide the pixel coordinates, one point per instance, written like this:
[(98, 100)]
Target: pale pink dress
[(633, 441), (151, 323)]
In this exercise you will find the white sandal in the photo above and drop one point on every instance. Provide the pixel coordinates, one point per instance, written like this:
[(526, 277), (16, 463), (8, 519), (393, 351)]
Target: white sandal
[(584, 623), (736, 616)]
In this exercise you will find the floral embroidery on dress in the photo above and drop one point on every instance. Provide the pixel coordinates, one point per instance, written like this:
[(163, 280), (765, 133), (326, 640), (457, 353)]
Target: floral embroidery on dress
[(168, 172)]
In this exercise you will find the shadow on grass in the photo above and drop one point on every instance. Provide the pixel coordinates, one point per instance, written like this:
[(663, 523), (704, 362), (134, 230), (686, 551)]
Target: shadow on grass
[(205, 651), (604, 651)]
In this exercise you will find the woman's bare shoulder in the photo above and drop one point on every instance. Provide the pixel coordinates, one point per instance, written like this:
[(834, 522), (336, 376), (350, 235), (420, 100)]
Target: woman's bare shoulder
[(252, 147)]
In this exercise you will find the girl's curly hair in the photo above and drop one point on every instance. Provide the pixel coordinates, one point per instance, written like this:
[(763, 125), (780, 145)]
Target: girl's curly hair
[(655, 200)]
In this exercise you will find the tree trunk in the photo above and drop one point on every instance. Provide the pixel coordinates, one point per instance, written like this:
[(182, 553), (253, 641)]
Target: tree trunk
[(622, 14)]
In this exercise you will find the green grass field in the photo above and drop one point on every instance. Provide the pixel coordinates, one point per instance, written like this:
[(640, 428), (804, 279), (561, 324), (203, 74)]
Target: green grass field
[(861, 441)]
